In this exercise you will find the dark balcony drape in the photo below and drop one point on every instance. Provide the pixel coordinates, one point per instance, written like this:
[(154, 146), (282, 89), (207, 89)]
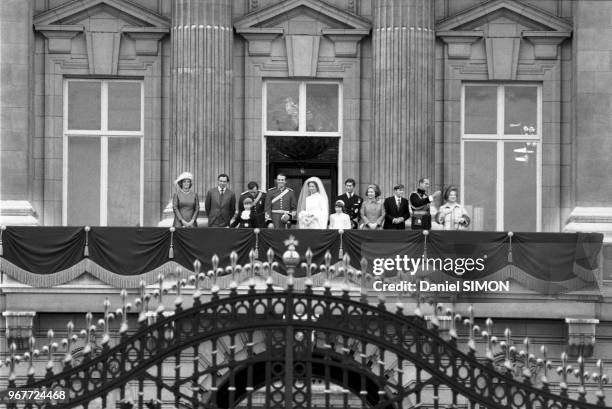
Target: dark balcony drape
[(123, 256)]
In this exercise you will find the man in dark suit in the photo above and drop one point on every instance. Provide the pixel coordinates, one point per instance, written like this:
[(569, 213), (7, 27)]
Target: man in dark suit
[(397, 210), (220, 203), (258, 205), (352, 202)]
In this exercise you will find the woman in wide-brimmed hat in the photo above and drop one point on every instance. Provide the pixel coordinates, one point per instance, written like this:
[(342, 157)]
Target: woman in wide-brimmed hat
[(185, 202)]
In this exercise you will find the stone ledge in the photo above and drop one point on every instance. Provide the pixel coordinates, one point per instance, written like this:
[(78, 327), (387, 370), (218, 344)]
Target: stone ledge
[(591, 219), (17, 213)]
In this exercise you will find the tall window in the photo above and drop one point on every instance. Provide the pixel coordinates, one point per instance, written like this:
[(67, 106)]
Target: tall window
[(302, 108), (103, 152), (501, 155)]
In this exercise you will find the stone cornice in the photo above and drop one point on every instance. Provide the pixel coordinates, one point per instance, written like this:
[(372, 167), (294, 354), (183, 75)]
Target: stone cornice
[(460, 42), (146, 38), (345, 41), (260, 38), (59, 36), (482, 10), (64, 12), (546, 42), (326, 9)]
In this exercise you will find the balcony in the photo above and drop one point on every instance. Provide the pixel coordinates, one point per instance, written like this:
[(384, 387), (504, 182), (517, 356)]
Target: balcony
[(526, 269)]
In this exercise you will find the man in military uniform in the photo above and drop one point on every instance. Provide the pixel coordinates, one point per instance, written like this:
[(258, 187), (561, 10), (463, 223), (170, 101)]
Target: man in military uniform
[(281, 205), (420, 203), (352, 202), (259, 202)]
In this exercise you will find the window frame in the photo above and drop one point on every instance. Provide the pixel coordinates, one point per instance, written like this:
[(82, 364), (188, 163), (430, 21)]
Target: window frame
[(103, 135), (301, 116), (501, 138), (302, 84)]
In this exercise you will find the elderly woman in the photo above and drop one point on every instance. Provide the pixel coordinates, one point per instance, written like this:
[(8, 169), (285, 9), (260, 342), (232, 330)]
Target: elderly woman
[(185, 202), (372, 209), (451, 215)]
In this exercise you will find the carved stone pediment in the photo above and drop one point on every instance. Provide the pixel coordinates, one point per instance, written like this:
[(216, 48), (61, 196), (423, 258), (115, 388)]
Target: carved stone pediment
[(102, 24), (71, 13), (503, 24), (514, 10), (302, 23)]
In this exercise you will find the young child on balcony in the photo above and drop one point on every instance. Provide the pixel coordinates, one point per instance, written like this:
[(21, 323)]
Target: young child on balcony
[(339, 220), (246, 219)]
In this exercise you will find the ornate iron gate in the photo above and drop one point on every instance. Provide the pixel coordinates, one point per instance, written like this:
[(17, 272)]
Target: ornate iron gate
[(280, 348)]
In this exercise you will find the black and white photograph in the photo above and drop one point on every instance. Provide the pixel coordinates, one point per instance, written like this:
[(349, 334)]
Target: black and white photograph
[(305, 204)]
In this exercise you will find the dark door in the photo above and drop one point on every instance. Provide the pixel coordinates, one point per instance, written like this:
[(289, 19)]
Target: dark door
[(302, 157)]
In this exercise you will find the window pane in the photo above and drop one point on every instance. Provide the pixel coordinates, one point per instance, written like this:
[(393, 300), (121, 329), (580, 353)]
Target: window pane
[(282, 110), (480, 178), (521, 110), (123, 181), (322, 107), (520, 186), (481, 109), (124, 106), (83, 205), (84, 105)]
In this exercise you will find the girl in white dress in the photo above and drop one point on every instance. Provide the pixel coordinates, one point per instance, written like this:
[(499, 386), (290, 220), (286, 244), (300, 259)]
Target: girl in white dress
[(313, 208), (340, 220)]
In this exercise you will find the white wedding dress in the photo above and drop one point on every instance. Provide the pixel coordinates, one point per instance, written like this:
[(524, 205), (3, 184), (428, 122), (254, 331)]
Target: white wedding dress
[(313, 209), (315, 215)]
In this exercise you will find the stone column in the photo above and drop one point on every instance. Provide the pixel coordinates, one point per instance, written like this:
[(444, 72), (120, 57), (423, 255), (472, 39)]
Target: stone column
[(591, 186), (16, 90), (201, 96), (403, 93)]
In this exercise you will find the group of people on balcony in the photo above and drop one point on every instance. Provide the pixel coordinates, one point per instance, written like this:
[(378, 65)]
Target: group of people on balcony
[(279, 208)]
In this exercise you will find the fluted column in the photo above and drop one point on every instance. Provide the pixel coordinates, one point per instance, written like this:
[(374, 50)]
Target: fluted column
[(201, 99), (403, 57)]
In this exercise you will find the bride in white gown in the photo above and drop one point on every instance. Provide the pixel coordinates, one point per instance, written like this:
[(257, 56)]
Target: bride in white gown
[(313, 206)]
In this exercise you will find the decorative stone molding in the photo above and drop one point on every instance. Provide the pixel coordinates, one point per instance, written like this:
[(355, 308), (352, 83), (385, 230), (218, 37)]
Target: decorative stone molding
[(302, 55), (546, 43), (581, 336), (349, 20), (77, 10), (502, 57), (19, 327), (591, 219), (460, 42), (477, 16), (17, 213), (345, 41), (260, 39), (503, 41), (146, 38), (59, 36)]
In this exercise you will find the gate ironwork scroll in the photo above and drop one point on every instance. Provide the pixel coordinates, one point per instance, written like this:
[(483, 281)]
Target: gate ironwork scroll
[(267, 347)]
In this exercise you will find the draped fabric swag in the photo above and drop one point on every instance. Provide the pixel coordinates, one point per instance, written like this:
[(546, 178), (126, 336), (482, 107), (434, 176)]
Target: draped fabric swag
[(549, 263)]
